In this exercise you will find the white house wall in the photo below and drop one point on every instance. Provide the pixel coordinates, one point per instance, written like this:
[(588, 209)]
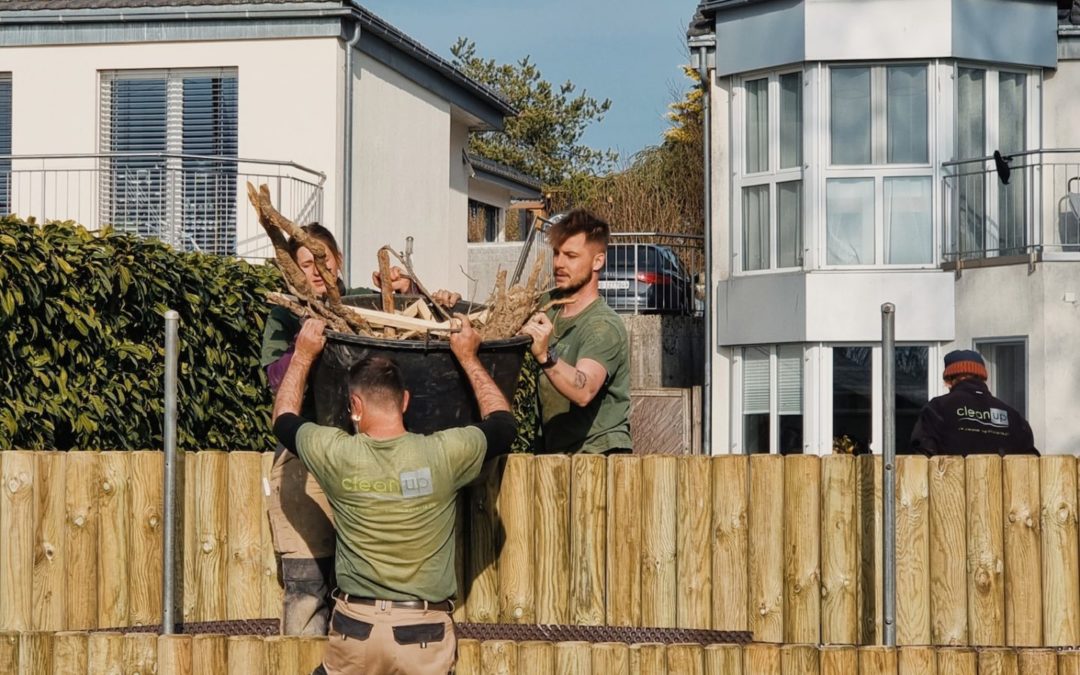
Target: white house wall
[(839, 30), (1061, 105), (288, 95)]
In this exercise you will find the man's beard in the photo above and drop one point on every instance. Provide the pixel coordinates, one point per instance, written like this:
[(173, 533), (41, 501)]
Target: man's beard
[(574, 286)]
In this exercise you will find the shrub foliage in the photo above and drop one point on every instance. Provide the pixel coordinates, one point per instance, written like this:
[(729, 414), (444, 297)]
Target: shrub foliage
[(82, 342)]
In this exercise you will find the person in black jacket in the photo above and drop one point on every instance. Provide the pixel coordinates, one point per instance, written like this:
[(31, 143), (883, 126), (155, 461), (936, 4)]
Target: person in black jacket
[(969, 420)]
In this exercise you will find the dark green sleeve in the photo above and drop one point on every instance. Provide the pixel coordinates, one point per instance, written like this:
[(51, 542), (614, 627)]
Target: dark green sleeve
[(281, 329)]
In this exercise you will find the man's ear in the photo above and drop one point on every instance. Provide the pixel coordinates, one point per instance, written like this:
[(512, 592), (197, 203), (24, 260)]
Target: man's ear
[(599, 260), (356, 405), (404, 401)]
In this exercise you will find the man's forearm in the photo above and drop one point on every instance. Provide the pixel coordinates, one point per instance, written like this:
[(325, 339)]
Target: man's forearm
[(573, 383), (488, 395), (290, 395)]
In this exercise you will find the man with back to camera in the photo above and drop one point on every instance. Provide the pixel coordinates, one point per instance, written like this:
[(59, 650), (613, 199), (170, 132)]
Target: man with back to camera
[(393, 496), (581, 347), (969, 420)]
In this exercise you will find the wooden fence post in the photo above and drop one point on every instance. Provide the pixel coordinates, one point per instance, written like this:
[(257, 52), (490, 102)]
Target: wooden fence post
[(1023, 552), (243, 599), (624, 541), (839, 551), (997, 661), (800, 659), (517, 602), (948, 552), (283, 654), (9, 652), (272, 591), (147, 537), (1069, 662), (209, 654), (106, 653), (174, 655), (956, 660), (573, 658), (468, 657), (729, 542), (986, 550), (871, 563), (877, 660), (246, 654), (693, 555), (140, 653), (114, 506), (551, 517), (839, 659), (1061, 565), (588, 539), (1037, 662), (50, 545), (611, 657), (912, 551), (498, 657), (723, 659), (211, 489), (802, 549), (17, 540), (659, 480), (766, 547), (536, 658), (70, 653), (311, 650), (483, 597), (916, 660), (35, 653), (761, 658), (685, 659)]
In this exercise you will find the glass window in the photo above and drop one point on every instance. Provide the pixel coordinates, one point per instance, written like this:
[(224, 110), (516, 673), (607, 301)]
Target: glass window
[(849, 206), (1006, 363), (1012, 121), (912, 390), (789, 217), (789, 386), (756, 399), (757, 125), (5, 143), (790, 120), (909, 224), (755, 212), (850, 114), (484, 222), (907, 115), (852, 398), (970, 143)]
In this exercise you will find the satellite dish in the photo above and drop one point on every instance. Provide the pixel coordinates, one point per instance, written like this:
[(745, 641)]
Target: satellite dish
[(1002, 166)]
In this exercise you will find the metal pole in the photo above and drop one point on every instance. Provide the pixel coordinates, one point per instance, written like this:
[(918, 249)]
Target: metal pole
[(888, 422), (169, 557), (710, 349)]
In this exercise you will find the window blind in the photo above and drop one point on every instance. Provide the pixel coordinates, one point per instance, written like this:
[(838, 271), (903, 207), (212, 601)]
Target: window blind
[(5, 143), (756, 381), (789, 380)]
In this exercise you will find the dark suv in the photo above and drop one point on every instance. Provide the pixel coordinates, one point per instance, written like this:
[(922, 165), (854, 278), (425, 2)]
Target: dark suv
[(646, 278)]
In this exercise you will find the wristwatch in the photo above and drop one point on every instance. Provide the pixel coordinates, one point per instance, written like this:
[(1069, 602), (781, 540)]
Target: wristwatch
[(552, 359)]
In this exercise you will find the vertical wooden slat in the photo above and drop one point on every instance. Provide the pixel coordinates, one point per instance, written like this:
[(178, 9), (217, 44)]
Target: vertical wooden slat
[(247, 654), (761, 658), (114, 507), (611, 657), (799, 659), (912, 551), (209, 654), (146, 539), (9, 652), (498, 657), (272, 591), (517, 602), (551, 513), (802, 549), (685, 659), (649, 659), (81, 539), (723, 659), (468, 657), (573, 658), (140, 653), (839, 550), (986, 550), (50, 546), (70, 653), (1060, 561), (16, 539), (693, 563), (536, 658), (877, 660), (659, 480), (189, 538), (211, 486), (948, 551), (588, 539), (106, 653), (912, 660), (624, 541), (1037, 662), (729, 543), (766, 547), (35, 653), (244, 538), (310, 650), (174, 654), (997, 661), (483, 592), (956, 661), (870, 550), (1023, 552), (839, 659), (1069, 662), (282, 654)]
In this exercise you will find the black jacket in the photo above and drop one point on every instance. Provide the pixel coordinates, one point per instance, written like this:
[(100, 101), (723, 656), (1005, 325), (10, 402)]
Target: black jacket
[(970, 421)]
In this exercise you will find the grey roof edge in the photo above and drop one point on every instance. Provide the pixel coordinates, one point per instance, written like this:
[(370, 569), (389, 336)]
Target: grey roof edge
[(487, 168), (707, 8)]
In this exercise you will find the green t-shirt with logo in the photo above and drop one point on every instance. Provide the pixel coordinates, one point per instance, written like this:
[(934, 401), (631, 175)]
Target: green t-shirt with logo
[(394, 504), (595, 333)]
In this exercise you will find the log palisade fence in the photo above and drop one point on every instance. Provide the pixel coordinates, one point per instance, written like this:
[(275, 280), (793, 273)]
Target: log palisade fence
[(787, 548)]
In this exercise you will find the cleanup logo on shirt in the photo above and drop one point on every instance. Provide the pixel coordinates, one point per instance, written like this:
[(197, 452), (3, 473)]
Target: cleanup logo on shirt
[(994, 417), (416, 483)]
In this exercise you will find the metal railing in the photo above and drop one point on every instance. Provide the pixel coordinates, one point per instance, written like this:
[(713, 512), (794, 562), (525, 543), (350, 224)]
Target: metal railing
[(1037, 211), (192, 202)]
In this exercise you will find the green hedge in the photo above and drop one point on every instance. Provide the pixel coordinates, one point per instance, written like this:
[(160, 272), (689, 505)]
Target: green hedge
[(82, 342)]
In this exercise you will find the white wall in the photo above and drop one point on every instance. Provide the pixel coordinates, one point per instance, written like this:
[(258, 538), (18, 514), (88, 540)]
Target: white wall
[(877, 29), (288, 95), (1061, 105)]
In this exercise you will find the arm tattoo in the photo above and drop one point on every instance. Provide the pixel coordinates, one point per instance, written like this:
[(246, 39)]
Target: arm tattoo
[(579, 379), (489, 397)]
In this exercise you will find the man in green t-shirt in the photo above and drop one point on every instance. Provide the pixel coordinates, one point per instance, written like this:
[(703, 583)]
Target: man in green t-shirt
[(582, 348), (393, 495)]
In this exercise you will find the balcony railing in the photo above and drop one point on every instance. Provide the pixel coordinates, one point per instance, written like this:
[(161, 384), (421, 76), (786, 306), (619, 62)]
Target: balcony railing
[(1037, 213), (192, 202)]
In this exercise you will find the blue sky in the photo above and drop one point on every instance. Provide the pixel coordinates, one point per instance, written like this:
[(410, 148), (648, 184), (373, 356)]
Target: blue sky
[(625, 50)]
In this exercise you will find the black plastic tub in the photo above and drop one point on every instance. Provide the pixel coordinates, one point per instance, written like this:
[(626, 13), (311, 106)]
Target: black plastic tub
[(439, 395)]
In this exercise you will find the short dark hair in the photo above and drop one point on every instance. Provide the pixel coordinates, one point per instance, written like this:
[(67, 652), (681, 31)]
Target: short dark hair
[(322, 234), (580, 221), (377, 379)]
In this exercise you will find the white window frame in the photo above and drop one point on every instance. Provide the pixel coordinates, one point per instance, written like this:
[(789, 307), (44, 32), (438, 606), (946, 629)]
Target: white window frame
[(878, 169), (978, 343), (772, 177), (737, 426)]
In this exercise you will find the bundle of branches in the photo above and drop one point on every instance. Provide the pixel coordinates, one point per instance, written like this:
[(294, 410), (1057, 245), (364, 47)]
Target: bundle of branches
[(505, 313)]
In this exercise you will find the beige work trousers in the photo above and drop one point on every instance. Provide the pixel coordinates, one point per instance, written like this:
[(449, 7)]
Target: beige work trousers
[(380, 640)]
